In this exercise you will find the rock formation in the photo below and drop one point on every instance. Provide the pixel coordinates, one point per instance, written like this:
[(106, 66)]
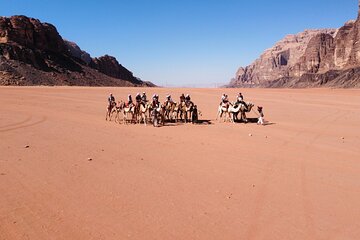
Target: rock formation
[(34, 53), (313, 58)]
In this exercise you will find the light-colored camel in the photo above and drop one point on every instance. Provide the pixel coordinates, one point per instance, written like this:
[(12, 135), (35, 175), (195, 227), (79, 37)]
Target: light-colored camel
[(142, 114), (223, 109), (242, 109), (110, 110), (169, 110), (128, 111), (179, 111), (118, 109)]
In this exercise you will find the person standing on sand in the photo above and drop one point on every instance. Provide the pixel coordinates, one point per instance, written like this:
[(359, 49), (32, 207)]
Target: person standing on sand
[(261, 120)]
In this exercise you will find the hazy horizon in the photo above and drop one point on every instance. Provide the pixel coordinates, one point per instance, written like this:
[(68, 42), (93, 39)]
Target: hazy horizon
[(183, 44)]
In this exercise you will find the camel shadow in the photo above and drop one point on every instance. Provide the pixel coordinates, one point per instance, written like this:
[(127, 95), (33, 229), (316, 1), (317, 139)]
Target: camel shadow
[(254, 120), (202, 122), (182, 122)]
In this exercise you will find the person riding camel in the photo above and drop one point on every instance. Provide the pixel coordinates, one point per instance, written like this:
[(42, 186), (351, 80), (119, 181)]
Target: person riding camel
[(182, 98), (168, 100), (138, 101), (130, 101), (155, 101), (240, 100), (187, 100), (225, 101), (143, 97), (111, 100)]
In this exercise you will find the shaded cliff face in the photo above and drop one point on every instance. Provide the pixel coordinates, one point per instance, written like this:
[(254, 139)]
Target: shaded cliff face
[(33, 53), (309, 59)]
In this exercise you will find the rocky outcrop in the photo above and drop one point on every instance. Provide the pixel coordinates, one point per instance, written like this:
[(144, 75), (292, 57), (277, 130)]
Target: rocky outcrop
[(313, 58), (75, 51), (111, 67), (30, 33), (280, 60), (33, 53)]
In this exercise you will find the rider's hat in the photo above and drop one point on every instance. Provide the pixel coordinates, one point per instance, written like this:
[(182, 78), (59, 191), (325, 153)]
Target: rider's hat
[(143, 92)]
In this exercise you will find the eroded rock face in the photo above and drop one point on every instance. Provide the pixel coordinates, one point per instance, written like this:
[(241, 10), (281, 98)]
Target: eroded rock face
[(278, 61), (302, 59), (31, 33), (318, 56), (32, 52)]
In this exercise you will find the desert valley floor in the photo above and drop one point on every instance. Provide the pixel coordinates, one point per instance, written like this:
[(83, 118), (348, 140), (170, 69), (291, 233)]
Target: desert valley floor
[(297, 178)]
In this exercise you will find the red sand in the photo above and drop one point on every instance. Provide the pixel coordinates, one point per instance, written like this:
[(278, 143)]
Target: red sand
[(298, 178)]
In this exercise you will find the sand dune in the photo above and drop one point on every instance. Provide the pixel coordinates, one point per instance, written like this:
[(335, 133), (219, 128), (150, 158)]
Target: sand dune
[(298, 178)]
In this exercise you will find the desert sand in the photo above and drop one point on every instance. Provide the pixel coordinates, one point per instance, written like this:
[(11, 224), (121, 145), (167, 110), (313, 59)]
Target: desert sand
[(297, 178)]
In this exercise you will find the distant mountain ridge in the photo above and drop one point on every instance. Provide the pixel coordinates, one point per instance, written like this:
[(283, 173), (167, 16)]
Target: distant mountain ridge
[(313, 58), (34, 53)]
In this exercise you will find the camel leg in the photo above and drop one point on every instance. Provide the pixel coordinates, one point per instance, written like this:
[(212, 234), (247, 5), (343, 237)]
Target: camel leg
[(219, 115), (144, 116)]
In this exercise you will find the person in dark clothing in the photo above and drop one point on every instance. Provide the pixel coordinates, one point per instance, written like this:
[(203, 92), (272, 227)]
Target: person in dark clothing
[(111, 99)]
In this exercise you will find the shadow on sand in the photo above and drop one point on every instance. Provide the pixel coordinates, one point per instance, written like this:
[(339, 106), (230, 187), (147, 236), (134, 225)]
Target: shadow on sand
[(254, 120), (180, 123)]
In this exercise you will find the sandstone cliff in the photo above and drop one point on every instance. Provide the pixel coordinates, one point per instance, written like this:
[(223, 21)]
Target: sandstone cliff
[(34, 53), (313, 58)]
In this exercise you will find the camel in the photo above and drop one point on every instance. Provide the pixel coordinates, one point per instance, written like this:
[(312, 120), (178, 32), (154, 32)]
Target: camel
[(221, 110), (128, 111), (244, 110), (110, 110), (158, 116), (235, 109), (141, 114), (169, 110), (118, 109), (179, 110)]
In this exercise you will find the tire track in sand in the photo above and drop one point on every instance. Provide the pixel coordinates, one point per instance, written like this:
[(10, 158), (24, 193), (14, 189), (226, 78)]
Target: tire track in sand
[(20, 125), (17, 123)]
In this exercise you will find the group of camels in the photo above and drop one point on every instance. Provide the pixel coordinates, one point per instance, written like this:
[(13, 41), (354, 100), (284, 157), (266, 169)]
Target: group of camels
[(169, 111), (144, 112), (230, 112)]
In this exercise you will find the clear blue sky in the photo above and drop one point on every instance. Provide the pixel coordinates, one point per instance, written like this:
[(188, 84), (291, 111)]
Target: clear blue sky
[(182, 42)]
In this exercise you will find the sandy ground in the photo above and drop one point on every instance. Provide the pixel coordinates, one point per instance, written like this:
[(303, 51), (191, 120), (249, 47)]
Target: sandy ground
[(298, 178)]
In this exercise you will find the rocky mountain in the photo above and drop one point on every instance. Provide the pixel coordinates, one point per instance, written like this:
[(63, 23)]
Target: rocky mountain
[(34, 53), (313, 58)]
